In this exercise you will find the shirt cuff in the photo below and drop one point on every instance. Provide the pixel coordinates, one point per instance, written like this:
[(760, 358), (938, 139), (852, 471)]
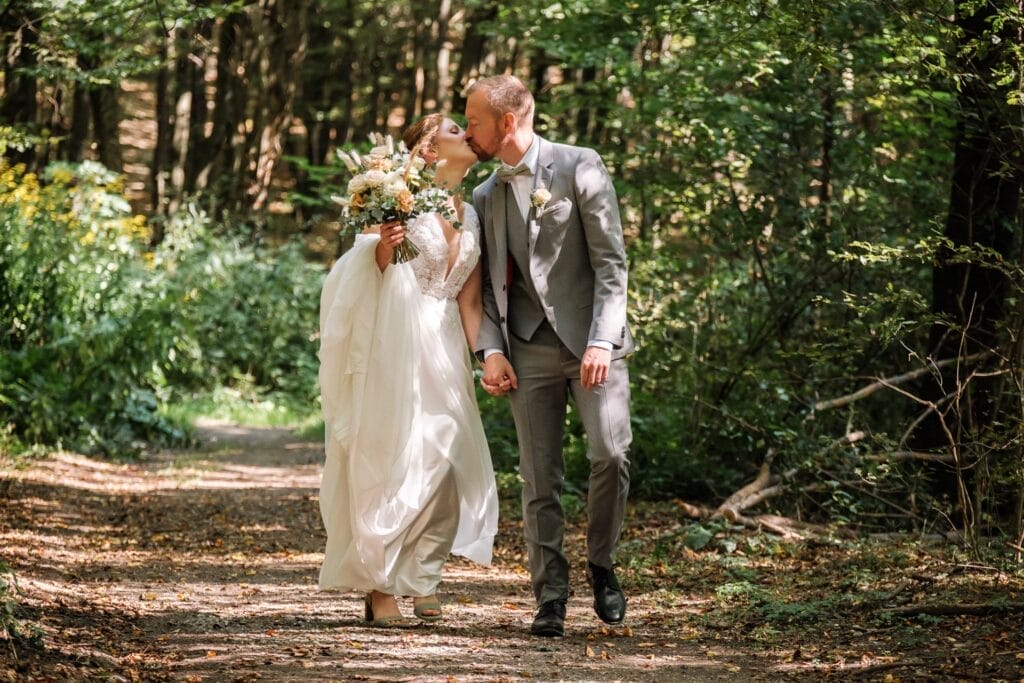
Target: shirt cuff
[(601, 344), (490, 352)]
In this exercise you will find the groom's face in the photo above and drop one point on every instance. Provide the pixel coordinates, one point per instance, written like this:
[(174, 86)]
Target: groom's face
[(483, 127)]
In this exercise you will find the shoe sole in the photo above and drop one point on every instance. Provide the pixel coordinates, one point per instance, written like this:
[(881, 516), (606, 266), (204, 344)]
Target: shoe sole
[(548, 632), (608, 621)]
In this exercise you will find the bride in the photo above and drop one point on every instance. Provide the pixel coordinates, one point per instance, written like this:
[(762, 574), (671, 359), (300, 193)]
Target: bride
[(408, 475)]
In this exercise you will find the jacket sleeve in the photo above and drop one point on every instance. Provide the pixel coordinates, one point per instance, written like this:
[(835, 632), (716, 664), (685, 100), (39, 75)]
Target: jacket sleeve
[(602, 226)]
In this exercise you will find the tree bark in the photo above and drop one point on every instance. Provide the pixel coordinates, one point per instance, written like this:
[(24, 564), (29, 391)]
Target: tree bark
[(444, 49), (225, 174), (197, 145), (18, 107), (159, 169), (473, 49), (284, 45), (78, 135), (106, 116), (984, 211)]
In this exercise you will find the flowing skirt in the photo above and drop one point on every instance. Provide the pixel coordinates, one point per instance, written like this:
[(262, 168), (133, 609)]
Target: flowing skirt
[(402, 423)]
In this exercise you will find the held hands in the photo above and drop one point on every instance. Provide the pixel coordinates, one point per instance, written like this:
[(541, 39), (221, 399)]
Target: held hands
[(499, 377), (594, 367)]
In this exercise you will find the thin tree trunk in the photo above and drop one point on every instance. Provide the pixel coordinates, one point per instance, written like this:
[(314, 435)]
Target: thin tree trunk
[(159, 170), (106, 116), (78, 135), (444, 49), (828, 112), (417, 91), (19, 107), (197, 151)]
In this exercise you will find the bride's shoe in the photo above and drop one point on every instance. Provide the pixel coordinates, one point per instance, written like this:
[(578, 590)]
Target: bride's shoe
[(392, 621), (428, 610)]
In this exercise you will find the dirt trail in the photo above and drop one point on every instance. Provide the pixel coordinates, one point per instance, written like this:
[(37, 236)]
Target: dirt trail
[(201, 565)]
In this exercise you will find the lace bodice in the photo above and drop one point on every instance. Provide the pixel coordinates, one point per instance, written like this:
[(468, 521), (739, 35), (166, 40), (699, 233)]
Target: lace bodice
[(430, 266)]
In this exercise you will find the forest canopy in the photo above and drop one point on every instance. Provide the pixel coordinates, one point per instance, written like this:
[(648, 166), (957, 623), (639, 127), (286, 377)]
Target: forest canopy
[(821, 200)]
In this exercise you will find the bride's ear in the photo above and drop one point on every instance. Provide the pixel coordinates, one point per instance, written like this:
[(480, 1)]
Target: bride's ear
[(429, 155)]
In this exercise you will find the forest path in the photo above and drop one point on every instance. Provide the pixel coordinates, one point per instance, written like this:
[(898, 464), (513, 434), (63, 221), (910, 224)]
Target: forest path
[(201, 565)]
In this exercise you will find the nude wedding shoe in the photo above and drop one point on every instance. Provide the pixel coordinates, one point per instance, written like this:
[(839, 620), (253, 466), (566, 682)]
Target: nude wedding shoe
[(393, 621), (433, 605)]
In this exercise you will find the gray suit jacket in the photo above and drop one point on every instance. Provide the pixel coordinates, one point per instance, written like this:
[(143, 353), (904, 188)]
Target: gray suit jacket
[(577, 253)]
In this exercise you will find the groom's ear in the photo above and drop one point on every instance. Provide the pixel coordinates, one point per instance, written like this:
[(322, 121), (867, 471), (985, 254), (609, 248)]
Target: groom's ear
[(509, 123)]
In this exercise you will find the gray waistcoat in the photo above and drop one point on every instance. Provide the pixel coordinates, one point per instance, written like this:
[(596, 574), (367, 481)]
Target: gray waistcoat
[(524, 310)]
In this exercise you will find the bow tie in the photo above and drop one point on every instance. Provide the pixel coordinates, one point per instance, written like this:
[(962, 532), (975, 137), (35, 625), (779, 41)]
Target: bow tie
[(506, 174)]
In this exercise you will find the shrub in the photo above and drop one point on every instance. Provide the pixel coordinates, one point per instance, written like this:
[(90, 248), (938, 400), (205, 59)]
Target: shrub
[(98, 329)]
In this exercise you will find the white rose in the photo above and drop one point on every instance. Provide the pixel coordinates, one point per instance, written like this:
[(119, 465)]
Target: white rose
[(394, 183), (374, 178), (540, 197), (357, 184)]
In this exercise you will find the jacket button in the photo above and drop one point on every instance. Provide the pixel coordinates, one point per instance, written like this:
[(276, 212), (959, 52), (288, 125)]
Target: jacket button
[(502, 320)]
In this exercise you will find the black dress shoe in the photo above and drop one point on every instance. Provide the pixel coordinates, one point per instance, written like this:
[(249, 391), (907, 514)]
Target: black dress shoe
[(550, 619), (609, 600)]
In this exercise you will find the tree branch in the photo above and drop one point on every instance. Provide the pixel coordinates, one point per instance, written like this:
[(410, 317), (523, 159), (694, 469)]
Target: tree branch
[(896, 380)]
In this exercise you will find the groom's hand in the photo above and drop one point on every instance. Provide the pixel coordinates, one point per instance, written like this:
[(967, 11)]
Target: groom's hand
[(499, 377), (594, 367)]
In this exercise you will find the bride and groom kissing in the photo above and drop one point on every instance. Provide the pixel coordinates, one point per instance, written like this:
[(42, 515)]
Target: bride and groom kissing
[(534, 283)]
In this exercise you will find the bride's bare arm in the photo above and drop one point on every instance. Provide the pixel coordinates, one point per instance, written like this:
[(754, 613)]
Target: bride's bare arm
[(471, 306)]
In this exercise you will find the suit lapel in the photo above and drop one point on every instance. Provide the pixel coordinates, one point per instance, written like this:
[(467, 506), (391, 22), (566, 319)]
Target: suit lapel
[(500, 242), (546, 170)]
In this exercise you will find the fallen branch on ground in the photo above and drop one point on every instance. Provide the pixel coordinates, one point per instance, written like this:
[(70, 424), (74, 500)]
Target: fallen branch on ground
[(765, 485)]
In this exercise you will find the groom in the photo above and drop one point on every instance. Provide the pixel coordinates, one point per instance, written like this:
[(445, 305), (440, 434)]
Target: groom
[(555, 323)]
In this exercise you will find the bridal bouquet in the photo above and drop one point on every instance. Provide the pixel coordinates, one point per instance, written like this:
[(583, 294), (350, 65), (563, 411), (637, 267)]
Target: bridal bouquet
[(390, 183)]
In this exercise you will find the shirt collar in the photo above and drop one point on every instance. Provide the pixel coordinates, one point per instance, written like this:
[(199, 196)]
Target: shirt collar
[(530, 157)]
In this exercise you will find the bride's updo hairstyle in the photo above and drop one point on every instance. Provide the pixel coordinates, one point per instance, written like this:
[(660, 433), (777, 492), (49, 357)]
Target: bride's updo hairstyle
[(422, 135)]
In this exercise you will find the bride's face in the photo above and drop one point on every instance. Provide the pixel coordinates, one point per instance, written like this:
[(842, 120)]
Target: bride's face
[(452, 146)]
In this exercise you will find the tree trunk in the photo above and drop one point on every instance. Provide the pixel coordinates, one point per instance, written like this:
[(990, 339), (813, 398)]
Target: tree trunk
[(828, 112), (195, 63), (444, 50), (106, 116), (984, 201), (473, 49), (225, 183), (159, 170), (78, 136), (19, 108), (284, 46), (984, 212)]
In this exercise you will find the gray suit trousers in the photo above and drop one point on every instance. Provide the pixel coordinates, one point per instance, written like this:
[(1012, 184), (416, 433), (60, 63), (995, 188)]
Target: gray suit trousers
[(548, 372)]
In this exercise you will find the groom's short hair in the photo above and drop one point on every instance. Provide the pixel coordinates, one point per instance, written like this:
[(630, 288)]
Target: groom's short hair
[(506, 94)]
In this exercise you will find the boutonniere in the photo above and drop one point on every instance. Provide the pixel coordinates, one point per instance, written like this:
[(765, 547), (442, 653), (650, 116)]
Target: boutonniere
[(540, 197)]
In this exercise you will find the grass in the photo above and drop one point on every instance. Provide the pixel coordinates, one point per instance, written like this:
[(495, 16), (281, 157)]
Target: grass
[(248, 409)]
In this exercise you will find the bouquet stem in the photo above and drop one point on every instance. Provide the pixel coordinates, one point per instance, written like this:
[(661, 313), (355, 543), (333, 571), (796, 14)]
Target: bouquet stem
[(405, 252)]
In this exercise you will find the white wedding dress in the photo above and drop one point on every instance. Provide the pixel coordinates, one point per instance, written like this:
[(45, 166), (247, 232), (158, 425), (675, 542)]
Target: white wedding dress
[(402, 423)]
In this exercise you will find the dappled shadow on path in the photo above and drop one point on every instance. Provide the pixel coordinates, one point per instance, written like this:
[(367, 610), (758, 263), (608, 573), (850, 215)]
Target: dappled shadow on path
[(202, 565)]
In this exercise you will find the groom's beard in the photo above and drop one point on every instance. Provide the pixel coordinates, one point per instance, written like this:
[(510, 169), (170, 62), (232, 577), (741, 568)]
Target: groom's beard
[(481, 153)]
